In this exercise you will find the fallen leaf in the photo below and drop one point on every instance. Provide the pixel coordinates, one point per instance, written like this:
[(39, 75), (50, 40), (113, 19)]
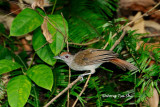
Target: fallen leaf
[(151, 101), (14, 8), (128, 3), (152, 24), (154, 100), (138, 24), (26, 45)]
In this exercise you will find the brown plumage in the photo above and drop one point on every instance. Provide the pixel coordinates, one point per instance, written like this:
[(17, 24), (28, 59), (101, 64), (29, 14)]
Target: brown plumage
[(95, 56)]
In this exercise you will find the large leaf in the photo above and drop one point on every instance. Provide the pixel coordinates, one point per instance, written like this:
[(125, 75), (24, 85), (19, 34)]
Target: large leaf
[(25, 22), (58, 35), (18, 91), (42, 75), (42, 50), (8, 65)]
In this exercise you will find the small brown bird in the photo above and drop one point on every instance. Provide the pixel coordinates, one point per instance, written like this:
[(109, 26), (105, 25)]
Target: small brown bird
[(90, 59)]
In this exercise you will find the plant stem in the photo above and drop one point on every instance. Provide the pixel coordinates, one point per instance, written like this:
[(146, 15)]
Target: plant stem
[(21, 61), (32, 60), (54, 6)]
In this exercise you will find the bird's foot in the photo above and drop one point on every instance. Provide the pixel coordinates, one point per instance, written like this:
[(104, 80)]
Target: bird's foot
[(81, 76)]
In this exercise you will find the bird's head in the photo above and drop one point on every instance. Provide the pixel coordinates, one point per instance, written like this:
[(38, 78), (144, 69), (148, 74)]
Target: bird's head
[(65, 56)]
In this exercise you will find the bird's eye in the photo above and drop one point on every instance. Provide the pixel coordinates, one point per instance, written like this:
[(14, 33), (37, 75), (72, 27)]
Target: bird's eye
[(66, 56)]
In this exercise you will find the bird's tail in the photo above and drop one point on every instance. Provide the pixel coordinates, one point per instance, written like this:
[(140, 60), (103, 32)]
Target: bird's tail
[(123, 64)]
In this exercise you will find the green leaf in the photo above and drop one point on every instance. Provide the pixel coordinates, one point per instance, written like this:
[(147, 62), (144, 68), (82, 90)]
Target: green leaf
[(140, 82), (25, 22), (2, 29), (58, 37), (42, 75), (18, 91), (8, 65), (42, 49), (5, 53)]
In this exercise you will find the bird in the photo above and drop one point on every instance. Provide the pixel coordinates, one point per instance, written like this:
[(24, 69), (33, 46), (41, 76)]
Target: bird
[(90, 59)]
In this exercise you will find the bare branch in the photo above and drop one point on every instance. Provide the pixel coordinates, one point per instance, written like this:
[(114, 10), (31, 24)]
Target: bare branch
[(62, 92), (84, 88), (118, 41)]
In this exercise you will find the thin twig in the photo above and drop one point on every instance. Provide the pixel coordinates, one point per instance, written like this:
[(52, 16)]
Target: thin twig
[(145, 14), (62, 92), (84, 88), (41, 46), (118, 41), (89, 43), (150, 36), (69, 81), (10, 13), (66, 36)]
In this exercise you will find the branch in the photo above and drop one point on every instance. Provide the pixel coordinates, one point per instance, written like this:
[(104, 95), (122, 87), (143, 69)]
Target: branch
[(89, 43), (62, 92), (118, 41), (84, 88)]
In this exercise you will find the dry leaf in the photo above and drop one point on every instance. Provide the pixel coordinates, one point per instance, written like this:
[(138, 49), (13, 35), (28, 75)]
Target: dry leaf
[(152, 24), (26, 45), (46, 33), (46, 2), (38, 3), (154, 100), (6, 21), (14, 8), (151, 46), (127, 3), (139, 24)]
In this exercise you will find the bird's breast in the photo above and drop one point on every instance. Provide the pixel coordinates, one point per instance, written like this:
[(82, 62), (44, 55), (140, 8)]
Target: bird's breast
[(76, 67)]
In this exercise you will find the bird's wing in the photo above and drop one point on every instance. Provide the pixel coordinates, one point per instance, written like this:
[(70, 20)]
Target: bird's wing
[(93, 56)]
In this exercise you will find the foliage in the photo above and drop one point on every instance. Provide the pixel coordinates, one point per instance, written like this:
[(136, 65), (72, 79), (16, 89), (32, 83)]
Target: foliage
[(84, 21)]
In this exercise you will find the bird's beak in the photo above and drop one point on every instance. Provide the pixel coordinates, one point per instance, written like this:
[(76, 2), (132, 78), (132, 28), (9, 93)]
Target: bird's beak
[(57, 57)]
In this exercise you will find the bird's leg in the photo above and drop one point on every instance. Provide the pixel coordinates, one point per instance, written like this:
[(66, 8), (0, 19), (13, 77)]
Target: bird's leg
[(82, 75)]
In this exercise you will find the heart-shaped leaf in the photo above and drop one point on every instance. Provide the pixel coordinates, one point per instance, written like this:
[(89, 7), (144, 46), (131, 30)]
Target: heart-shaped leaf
[(42, 75), (25, 22), (8, 65), (18, 91)]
